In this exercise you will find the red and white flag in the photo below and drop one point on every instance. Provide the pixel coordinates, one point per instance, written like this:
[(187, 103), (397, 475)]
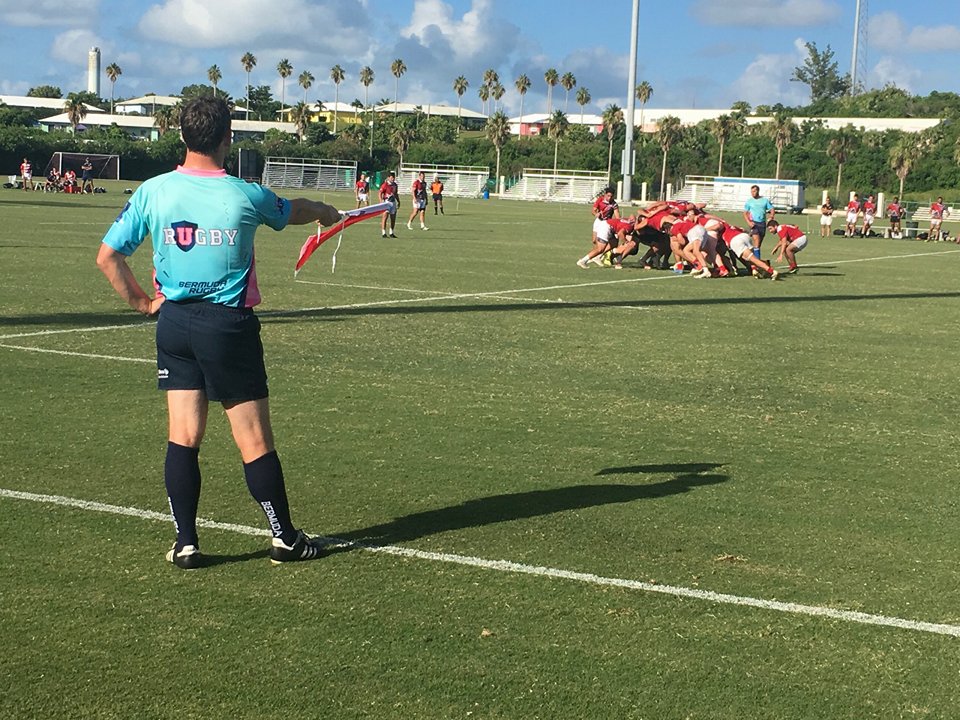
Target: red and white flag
[(346, 219)]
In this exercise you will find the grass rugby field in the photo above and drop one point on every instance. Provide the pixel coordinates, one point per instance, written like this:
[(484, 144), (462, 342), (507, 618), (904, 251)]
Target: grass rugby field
[(715, 499)]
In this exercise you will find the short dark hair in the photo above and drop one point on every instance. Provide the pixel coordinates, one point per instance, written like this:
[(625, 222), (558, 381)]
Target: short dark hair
[(755, 187), (204, 123)]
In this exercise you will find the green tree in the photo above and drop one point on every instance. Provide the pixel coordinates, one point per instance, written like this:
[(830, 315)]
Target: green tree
[(262, 102), (45, 91), (498, 132), (669, 133), (551, 78), (164, 118), (583, 97), (522, 84), (490, 77), (305, 80), (397, 69), (903, 157), (401, 135), (839, 150), (780, 128), (557, 127), (337, 75), (460, 85), (484, 93), (300, 117), (214, 76), (497, 92), (76, 111), (819, 72), (113, 72), (249, 62), (568, 82), (644, 91), (612, 119), (284, 70), (722, 128)]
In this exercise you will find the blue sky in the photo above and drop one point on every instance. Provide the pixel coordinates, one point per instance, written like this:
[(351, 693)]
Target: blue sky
[(695, 53)]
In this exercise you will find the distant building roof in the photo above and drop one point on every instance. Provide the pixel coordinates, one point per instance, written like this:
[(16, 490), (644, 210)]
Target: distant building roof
[(141, 122), (151, 100), (429, 109), (35, 103)]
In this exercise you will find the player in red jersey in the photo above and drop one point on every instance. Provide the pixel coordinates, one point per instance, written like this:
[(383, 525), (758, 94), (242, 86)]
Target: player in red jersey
[(363, 190), (604, 208), (869, 213), (26, 172), (741, 245), (895, 213), (853, 212), (790, 241), (937, 212), (389, 192), (419, 191)]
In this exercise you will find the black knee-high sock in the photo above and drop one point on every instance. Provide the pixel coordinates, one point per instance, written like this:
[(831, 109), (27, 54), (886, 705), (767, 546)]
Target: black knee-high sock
[(181, 475), (265, 481)]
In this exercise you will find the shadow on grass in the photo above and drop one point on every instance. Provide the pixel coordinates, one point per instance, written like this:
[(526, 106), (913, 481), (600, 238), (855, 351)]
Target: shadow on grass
[(536, 503)]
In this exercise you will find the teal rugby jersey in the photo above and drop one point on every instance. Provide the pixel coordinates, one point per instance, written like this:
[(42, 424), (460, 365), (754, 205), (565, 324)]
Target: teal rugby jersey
[(202, 225)]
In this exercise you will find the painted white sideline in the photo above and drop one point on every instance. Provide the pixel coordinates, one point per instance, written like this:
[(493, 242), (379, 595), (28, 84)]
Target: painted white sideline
[(519, 568)]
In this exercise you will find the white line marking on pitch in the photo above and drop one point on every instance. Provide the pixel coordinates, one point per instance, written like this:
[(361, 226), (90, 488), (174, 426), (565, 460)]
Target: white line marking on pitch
[(414, 292), (522, 569), (76, 330), (75, 354)]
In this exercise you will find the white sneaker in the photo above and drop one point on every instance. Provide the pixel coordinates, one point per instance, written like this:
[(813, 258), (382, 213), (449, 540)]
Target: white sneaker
[(408, 227), (424, 227), (597, 260), (581, 263), (383, 233)]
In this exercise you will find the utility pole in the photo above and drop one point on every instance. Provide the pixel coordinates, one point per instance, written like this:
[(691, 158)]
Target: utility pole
[(631, 102), (858, 62)]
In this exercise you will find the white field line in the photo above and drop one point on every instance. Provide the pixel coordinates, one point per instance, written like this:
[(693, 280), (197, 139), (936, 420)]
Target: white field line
[(415, 292), (76, 354), (76, 330), (506, 566)]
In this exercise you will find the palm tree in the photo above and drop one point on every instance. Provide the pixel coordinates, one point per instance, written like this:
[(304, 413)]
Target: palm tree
[(113, 72), (460, 86), (164, 118), (300, 117), (583, 97), (612, 119), (398, 69), (780, 128), (644, 91), (551, 78), (337, 75), (522, 84), (214, 75), (285, 70), (249, 62), (568, 82), (401, 136), (497, 92), (722, 128), (669, 132), (306, 82), (498, 132), (557, 127), (484, 93), (903, 156), (366, 79), (490, 77), (839, 150), (76, 111)]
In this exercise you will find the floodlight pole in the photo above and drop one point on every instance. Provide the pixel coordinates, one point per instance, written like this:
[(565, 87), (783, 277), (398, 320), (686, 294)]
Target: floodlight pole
[(631, 102)]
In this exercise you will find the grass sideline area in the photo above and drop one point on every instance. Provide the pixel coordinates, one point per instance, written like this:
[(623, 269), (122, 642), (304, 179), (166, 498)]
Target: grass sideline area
[(628, 442)]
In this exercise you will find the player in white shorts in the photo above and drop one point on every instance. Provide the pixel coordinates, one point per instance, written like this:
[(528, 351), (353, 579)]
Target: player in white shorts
[(791, 240), (826, 218), (604, 208), (741, 244)]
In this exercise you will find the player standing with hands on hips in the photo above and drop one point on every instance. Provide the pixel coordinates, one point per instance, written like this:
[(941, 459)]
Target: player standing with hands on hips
[(202, 224)]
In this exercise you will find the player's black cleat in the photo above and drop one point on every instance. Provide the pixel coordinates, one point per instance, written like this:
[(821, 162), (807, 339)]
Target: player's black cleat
[(303, 548), (186, 558)]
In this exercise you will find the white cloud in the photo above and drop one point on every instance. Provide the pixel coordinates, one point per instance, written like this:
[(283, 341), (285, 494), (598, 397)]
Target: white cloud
[(890, 70), (767, 81), (889, 32), (71, 46), (766, 13), (337, 26), (39, 13)]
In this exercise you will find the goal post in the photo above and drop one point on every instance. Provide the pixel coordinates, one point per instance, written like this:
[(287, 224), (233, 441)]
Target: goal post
[(105, 167)]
